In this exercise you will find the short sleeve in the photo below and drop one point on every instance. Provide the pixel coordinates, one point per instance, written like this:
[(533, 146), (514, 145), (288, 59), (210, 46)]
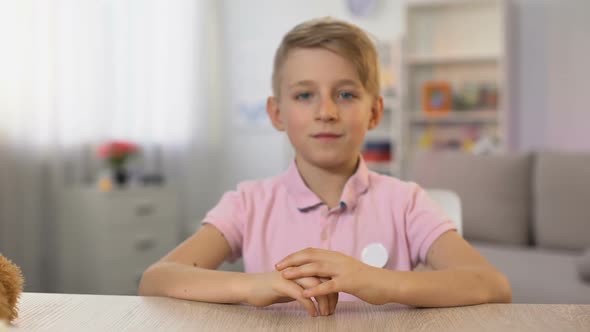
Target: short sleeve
[(425, 223), (227, 217)]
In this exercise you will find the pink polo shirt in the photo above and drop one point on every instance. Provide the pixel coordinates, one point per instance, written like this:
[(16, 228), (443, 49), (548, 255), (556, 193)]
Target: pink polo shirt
[(266, 220)]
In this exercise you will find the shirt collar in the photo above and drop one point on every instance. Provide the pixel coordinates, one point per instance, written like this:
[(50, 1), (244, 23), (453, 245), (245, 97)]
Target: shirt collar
[(305, 199)]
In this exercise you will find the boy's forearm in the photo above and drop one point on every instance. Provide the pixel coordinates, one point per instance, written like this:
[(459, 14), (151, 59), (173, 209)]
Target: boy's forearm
[(193, 283), (443, 288)]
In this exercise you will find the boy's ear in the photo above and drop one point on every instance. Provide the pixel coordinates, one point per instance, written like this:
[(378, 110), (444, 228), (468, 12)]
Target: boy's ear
[(376, 112), (274, 113)]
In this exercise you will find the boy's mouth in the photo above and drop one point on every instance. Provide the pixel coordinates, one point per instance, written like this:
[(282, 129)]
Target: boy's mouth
[(326, 136)]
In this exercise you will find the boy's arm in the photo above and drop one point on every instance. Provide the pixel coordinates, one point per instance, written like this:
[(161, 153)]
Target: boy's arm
[(188, 272), (461, 276), (193, 263)]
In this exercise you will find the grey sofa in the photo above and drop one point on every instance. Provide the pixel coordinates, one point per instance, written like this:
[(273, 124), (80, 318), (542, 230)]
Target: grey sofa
[(529, 214)]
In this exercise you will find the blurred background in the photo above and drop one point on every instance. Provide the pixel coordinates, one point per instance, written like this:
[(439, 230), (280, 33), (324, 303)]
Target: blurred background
[(122, 122)]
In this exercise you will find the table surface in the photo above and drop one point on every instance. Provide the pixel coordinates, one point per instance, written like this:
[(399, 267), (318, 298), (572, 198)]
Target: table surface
[(70, 312)]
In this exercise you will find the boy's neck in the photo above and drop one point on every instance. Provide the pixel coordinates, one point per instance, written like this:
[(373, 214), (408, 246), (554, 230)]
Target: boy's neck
[(327, 184)]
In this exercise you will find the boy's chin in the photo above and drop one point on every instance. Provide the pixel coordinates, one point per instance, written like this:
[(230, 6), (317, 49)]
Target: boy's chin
[(331, 163)]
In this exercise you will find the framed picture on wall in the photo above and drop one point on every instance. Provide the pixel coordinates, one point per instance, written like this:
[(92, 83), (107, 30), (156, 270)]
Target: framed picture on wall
[(437, 98)]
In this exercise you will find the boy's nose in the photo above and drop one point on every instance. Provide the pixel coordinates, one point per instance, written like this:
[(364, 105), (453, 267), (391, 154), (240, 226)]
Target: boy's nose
[(328, 111)]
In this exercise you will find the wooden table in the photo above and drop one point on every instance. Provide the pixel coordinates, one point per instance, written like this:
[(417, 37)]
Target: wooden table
[(68, 312)]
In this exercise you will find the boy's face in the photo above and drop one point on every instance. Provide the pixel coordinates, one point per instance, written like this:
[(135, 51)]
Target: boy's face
[(323, 107)]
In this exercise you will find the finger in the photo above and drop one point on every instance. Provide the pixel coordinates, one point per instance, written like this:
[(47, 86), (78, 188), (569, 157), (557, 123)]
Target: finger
[(324, 288), (309, 306), (323, 305), (311, 282), (299, 258), (307, 282), (323, 302), (333, 302), (315, 269), (293, 290)]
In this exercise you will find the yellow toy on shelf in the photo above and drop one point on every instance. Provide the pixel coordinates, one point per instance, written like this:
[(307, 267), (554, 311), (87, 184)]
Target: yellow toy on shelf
[(105, 184), (427, 139)]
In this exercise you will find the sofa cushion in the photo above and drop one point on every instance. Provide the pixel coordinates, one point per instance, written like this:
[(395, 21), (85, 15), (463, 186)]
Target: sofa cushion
[(561, 195), (538, 275), (495, 191)]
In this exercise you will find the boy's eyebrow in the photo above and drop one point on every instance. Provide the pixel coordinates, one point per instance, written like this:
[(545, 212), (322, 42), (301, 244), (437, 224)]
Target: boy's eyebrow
[(338, 83), (302, 83), (348, 82)]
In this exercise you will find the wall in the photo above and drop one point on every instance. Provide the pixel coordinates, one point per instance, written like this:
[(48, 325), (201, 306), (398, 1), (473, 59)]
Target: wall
[(553, 74)]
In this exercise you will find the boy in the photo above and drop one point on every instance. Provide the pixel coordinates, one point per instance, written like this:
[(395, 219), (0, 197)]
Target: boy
[(328, 224)]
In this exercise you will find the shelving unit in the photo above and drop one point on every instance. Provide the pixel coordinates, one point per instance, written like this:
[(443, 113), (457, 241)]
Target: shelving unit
[(430, 60), (459, 44), (456, 117), (389, 132)]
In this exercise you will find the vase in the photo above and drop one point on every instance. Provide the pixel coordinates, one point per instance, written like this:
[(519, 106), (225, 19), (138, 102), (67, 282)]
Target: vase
[(120, 176)]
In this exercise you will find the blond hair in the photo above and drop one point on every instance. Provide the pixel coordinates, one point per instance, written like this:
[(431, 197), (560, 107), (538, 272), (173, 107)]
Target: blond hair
[(342, 38)]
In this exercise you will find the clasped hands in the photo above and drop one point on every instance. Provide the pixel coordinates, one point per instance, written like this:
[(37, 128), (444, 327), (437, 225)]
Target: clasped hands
[(314, 273)]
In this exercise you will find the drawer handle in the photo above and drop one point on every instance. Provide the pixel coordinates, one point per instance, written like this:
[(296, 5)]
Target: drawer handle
[(143, 210), (145, 244)]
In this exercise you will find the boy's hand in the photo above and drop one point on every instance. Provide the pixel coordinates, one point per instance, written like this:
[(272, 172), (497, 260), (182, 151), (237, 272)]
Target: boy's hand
[(269, 288), (326, 303), (346, 274)]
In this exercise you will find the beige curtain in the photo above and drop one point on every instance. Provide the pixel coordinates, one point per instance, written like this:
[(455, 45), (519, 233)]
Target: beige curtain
[(76, 73)]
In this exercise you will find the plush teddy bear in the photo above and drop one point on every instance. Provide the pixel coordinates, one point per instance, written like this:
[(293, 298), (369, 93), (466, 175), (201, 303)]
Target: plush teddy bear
[(11, 286)]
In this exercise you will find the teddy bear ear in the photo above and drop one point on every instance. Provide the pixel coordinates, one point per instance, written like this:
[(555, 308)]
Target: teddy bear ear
[(11, 286)]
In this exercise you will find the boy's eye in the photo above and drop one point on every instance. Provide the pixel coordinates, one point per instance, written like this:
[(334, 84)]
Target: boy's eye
[(303, 96), (345, 95)]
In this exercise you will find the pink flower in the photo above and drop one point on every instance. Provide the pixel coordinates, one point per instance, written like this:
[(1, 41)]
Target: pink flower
[(116, 153), (117, 149)]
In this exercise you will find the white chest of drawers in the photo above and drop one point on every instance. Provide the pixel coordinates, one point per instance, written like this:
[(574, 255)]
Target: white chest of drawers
[(105, 240)]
